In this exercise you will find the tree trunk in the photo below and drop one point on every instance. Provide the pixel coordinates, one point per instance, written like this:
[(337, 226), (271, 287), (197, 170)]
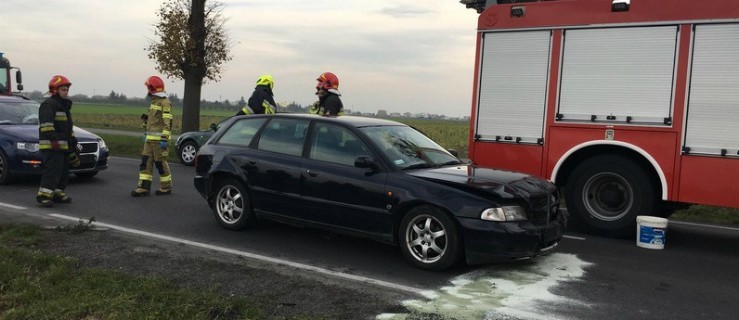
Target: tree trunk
[(194, 68), (191, 103)]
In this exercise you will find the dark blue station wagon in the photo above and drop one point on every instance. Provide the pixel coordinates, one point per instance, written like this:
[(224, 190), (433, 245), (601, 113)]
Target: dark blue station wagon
[(378, 179)]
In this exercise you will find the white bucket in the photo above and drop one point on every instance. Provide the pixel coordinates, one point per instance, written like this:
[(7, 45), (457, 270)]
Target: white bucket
[(651, 232)]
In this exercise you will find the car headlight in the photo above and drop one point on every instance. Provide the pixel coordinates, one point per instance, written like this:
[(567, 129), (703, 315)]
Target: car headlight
[(101, 144), (507, 213), (28, 146)]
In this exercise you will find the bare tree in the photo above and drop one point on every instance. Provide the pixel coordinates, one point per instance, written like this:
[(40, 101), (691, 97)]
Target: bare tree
[(192, 45)]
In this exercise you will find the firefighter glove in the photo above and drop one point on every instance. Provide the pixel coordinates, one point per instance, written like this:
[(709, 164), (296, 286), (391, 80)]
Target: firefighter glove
[(163, 144), (315, 108), (74, 160)]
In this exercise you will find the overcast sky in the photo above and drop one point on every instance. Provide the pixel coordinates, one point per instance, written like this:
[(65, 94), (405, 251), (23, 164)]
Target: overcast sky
[(402, 56)]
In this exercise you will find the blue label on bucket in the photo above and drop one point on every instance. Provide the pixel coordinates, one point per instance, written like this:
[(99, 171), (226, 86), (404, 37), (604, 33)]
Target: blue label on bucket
[(651, 235)]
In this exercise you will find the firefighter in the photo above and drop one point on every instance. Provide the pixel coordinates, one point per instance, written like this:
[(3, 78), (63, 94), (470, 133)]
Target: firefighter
[(59, 148), (327, 90), (262, 99), (158, 124)]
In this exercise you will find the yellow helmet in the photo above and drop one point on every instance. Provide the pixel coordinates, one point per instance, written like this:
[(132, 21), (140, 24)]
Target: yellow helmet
[(266, 80)]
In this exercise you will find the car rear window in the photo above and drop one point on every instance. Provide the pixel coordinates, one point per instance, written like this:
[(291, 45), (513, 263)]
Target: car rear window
[(242, 132)]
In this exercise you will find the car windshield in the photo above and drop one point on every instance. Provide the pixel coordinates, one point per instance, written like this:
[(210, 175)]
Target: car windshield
[(24, 112), (406, 148)]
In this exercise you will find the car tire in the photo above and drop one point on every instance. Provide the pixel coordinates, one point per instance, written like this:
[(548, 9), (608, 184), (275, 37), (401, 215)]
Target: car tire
[(232, 206), (5, 175), (429, 239), (187, 153), (86, 175), (606, 193)]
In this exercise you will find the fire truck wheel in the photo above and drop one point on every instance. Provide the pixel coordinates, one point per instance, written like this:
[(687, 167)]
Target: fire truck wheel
[(606, 193)]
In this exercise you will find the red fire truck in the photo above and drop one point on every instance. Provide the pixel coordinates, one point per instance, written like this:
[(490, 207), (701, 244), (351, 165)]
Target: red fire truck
[(5, 80), (631, 107)]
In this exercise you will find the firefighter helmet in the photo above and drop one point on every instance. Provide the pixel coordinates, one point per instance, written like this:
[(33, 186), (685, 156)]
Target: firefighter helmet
[(327, 81), (266, 80), (58, 81), (154, 84)]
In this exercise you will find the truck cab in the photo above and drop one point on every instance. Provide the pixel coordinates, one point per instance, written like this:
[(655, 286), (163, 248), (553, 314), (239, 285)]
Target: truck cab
[(6, 83)]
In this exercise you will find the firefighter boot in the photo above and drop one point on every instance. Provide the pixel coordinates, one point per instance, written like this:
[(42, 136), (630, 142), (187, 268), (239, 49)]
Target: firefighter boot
[(44, 200), (142, 190), (163, 192), (60, 197)]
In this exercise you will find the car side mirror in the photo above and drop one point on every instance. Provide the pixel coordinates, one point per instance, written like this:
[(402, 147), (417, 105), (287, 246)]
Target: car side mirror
[(364, 162), (213, 127), (454, 152)]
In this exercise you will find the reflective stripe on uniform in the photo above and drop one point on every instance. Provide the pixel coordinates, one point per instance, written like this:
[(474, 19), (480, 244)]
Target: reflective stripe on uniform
[(165, 178), (60, 116), (268, 107), (155, 107), (156, 136), (151, 137), (247, 110), (46, 144), (145, 177), (45, 191), (167, 116)]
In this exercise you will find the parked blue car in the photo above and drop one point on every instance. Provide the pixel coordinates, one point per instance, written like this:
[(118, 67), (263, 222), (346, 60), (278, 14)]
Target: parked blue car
[(19, 149)]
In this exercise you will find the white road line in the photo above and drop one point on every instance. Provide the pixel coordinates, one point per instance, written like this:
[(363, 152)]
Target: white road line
[(2, 204), (573, 237), (253, 256)]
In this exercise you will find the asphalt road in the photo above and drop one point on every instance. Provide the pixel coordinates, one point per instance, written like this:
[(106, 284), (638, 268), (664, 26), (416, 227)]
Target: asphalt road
[(694, 277)]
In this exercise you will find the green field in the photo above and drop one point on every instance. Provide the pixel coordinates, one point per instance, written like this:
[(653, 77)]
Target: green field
[(118, 109), (124, 117), (449, 134)]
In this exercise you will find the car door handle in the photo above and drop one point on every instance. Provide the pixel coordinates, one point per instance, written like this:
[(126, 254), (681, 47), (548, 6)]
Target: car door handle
[(312, 174)]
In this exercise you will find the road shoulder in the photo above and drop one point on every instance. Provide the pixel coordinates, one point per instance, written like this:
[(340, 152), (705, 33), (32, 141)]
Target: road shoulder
[(287, 292)]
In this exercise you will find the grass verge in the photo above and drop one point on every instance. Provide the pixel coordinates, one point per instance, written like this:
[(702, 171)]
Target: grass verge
[(130, 147), (35, 285), (709, 214)]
